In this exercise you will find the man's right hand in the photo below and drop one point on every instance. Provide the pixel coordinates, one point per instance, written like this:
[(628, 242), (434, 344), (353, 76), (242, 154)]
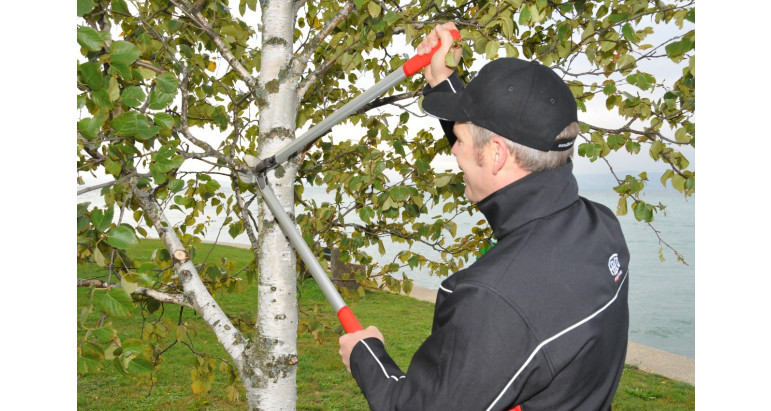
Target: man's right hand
[(438, 71), (348, 341)]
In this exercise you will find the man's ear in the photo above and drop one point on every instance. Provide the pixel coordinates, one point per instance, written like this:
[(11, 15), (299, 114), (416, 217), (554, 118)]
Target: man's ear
[(500, 153)]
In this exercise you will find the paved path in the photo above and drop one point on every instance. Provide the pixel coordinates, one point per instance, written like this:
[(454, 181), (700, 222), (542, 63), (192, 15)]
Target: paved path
[(676, 367)]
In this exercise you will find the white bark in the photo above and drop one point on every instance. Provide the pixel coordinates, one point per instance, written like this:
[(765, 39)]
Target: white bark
[(274, 352)]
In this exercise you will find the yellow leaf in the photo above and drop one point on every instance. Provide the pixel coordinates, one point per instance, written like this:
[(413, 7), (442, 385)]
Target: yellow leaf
[(212, 66)]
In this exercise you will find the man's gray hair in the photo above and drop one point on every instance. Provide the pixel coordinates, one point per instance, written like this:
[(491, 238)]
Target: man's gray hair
[(528, 158)]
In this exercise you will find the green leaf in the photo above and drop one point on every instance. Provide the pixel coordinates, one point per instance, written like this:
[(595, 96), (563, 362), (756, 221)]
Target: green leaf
[(449, 60), (629, 33), (175, 185), (236, 228), (126, 124), (164, 121), (123, 53), (90, 127), (139, 366), (675, 50), (159, 100), (113, 166), (119, 6), (491, 49), (85, 7), (144, 130), (122, 237), (91, 74), (616, 141), (99, 258), (101, 219), (691, 15), (113, 89), (166, 159), (643, 212), (621, 209), (442, 180), (511, 51), (399, 193), (167, 83), (366, 214), (90, 39), (615, 18), (102, 99), (104, 334), (374, 8), (133, 346), (681, 136), (524, 14), (128, 286), (133, 96), (123, 70), (116, 303)]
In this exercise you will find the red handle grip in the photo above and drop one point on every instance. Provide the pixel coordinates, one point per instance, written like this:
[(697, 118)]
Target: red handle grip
[(348, 320), (417, 63)]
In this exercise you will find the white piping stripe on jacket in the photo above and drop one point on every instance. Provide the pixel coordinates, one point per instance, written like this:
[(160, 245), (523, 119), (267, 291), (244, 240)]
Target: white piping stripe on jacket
[(445, 290), (541, 345), (381, 364), (451, 86)]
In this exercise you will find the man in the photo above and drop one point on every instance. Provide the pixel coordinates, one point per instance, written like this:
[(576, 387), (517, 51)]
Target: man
[(540, 321)]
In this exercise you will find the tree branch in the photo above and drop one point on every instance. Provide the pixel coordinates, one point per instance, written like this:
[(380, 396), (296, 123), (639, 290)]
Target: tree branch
[(178, 299), (196, 16), (301, 61)]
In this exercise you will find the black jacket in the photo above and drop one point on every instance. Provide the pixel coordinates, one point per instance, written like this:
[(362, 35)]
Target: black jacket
[(540, 320)]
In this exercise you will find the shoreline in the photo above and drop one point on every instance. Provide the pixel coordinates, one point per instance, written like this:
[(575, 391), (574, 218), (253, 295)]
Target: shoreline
[(648, 359)]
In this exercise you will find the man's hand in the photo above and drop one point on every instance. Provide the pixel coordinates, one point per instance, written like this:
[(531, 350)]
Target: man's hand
[(437, 71), (348, 341)]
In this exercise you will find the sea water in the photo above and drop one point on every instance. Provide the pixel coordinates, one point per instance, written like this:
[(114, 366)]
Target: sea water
[(661, 296), (661, 293)]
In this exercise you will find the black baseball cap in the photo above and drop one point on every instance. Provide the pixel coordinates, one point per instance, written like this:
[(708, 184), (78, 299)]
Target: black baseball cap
[(520, 100)]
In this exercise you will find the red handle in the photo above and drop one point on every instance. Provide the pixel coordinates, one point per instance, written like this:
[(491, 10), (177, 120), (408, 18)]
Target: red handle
[(348, 320), (417, 63)]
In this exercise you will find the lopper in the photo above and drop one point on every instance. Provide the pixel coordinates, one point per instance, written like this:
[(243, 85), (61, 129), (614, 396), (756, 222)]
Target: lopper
[(259, 176)]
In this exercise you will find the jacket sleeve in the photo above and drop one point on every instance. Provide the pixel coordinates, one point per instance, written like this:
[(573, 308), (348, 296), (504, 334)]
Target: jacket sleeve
[(465, 364), (452, 84)]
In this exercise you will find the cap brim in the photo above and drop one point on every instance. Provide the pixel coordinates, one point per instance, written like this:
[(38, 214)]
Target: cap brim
[(446, 106)]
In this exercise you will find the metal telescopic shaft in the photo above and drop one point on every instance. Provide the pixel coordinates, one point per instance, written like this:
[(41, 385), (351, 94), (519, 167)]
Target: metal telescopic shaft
[(350, 323), (339, 115)]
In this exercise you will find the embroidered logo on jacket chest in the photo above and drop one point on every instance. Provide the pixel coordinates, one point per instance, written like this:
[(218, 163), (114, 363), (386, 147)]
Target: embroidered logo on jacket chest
[(615, 267)]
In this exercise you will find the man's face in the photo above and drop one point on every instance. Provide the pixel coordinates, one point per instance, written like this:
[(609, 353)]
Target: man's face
[(476, 171)]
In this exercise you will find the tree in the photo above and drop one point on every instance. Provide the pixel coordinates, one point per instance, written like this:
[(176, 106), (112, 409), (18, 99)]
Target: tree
[(156, 78)]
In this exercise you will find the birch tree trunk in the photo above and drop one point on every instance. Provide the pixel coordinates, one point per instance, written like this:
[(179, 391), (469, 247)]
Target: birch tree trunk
[(274, 352)]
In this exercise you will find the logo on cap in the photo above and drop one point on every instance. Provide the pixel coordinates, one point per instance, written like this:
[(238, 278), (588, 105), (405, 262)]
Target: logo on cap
[(566, 144), (615, 267)]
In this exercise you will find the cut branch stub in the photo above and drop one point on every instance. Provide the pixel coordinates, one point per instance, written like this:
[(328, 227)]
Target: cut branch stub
[(181, 256)]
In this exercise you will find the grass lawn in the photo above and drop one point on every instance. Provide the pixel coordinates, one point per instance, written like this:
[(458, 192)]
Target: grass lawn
[(322, 381)]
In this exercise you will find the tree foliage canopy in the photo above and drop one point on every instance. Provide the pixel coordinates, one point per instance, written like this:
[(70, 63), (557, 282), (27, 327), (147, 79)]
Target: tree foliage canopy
[(157, 79)]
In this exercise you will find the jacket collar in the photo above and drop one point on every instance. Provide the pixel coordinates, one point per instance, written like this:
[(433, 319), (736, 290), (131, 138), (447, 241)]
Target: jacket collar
[(536, 195)]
